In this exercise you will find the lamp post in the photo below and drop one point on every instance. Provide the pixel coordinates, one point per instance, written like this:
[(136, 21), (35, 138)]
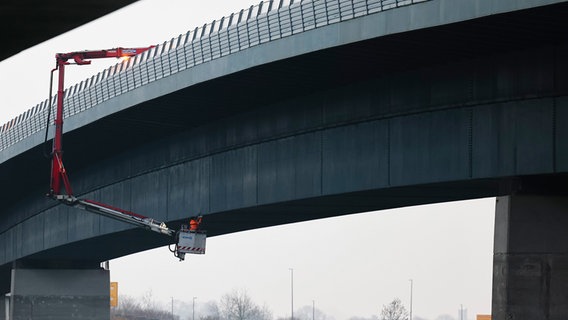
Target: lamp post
[(291, 293), (193, 309), (172, 308), (411, 283), (313, 310)]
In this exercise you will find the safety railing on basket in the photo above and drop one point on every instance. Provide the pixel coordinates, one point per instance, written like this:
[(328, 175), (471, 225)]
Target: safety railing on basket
[(269, 20)]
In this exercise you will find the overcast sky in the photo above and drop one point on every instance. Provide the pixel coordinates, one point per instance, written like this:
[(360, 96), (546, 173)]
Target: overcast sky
[(346, 266)]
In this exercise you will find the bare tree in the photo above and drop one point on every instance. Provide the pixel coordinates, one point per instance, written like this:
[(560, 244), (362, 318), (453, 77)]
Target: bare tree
[(237, 305), (148, 302), (127, 303), (130, 308), (394, 311), (211, 311)]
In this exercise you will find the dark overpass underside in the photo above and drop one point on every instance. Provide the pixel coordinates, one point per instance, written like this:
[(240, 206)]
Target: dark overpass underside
[(25, 23), (292, 93)]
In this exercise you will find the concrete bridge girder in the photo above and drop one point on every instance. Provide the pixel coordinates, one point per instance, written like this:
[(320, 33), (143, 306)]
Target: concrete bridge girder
[(324, 145)]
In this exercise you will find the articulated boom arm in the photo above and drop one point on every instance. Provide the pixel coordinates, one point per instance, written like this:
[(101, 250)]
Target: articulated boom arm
[(80, 56), (123, 215), (190, 240), (58, 172)]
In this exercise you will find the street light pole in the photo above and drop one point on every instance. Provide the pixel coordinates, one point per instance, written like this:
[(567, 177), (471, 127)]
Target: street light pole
[(193, 309), (313, 310), (292, 293), (172, 308), (411, 283)]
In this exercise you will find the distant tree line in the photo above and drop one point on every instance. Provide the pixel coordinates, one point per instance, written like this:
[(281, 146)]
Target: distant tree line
[(236, 305), (146, 308), (395, 310)]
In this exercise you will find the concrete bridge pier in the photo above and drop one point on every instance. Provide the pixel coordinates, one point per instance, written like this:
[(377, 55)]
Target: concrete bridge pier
[(530, 264), (53, 293)]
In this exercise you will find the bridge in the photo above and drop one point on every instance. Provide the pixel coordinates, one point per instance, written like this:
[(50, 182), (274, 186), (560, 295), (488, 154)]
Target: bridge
[(292, 111)]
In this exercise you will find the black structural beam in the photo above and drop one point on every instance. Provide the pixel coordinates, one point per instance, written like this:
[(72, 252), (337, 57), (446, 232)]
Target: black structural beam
[(25, 23)]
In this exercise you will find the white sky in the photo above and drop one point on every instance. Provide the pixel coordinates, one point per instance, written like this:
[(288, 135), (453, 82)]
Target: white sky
[(348, 266)]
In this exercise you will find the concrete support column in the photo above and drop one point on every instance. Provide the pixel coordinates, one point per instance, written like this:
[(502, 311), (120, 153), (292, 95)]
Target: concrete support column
[(4, 306), (60, 294), (530, 264)]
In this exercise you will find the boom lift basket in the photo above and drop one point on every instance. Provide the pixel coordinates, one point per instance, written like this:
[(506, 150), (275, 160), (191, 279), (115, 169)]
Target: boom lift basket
[(191, 242)]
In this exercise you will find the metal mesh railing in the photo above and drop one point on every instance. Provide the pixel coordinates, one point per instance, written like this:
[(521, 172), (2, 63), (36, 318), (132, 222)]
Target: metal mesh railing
[(267, 21)]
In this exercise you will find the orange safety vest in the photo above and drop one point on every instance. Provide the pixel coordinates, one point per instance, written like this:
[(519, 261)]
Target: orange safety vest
[(194, 224)]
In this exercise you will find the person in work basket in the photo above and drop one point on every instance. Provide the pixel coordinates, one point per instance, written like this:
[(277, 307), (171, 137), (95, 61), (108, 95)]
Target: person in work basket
[(194, 223)]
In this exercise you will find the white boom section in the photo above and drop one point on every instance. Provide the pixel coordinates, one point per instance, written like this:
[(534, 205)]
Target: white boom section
[(186, 241), (122, 215)]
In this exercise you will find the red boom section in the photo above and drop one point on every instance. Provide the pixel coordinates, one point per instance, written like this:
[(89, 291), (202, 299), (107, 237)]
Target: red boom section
[(58, 172), (80, 56)]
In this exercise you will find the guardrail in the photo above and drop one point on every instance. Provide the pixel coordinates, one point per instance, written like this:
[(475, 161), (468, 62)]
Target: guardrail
[(267, 21)]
